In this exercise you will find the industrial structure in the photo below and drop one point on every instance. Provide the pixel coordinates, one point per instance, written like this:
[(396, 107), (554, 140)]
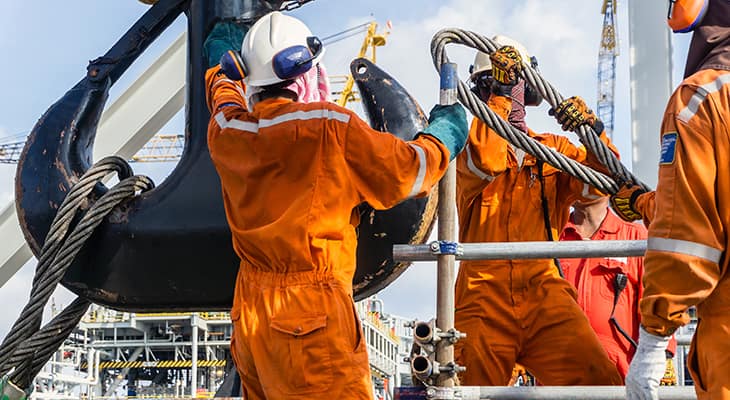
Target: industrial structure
[(187, 354), (607, 53), (121, 354)]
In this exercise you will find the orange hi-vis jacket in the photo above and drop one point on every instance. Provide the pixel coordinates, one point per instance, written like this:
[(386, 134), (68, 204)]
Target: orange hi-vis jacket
[(686, 263), (291, 175), (594, 279), (520, 310)]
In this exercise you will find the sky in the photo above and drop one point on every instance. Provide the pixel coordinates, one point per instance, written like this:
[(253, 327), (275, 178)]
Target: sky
[(47, 45)]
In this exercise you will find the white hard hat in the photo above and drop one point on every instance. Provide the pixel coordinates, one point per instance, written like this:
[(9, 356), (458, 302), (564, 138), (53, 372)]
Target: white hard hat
[(278, 48), (482, 62)]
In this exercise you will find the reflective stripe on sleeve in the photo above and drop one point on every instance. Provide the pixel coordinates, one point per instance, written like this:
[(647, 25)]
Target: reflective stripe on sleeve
[(473, 168), (699, 97), (684, 247), (421, 170), (305, 115), (254, 127), (221, 120)]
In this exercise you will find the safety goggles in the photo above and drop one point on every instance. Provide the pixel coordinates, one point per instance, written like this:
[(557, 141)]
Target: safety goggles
[(296, 60)]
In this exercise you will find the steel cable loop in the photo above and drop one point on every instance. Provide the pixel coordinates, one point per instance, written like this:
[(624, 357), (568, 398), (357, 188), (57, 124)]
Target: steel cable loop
[(41, 345), (48, 274), (35, 352), (516, 137), (586, 134), (30, 318), (532, 77)]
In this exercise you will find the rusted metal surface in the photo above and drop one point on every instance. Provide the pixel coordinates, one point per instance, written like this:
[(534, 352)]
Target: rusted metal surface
[(389, 108), (170, 248)]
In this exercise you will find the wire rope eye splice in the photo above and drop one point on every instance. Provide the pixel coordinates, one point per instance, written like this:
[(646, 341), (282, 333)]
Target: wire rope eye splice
[(517, 138)]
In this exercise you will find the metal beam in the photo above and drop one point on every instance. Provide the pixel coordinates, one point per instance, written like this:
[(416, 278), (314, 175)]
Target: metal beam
[(126, 125), (526, 250), (553, 393)]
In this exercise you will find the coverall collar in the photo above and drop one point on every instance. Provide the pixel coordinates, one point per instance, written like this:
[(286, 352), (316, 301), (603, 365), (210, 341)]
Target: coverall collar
[(710, 47)]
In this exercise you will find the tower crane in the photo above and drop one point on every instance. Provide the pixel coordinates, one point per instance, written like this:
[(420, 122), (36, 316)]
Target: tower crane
[(165, 148), (371, 42), (159, 149), (607, 53)]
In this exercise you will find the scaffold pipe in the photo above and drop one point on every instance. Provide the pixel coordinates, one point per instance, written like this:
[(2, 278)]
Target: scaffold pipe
[(528, 250), (552, 393)]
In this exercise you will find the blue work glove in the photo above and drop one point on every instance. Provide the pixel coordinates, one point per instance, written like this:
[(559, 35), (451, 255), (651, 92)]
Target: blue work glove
[(448, 125), (223, 37), (647, 367)]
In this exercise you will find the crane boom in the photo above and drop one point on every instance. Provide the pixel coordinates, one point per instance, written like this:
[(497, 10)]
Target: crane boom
[(607, 65)]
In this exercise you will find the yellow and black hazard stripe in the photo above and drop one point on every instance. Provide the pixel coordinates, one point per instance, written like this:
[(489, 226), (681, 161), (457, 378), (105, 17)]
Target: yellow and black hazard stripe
[(157, 364)]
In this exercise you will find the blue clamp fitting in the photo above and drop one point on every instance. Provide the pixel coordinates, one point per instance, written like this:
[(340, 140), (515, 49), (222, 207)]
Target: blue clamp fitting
[(443, 247)]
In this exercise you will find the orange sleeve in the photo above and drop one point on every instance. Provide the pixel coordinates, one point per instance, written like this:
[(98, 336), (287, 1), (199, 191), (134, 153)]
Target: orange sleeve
[(386, 170), (486, 154), (687, 237), (222, 91), (646, 206), (571, 188)]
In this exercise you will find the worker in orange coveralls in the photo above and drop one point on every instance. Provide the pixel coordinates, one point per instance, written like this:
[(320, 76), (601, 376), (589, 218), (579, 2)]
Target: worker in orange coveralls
[(292, 173), (685, 262), (521, 311), (609, 288)]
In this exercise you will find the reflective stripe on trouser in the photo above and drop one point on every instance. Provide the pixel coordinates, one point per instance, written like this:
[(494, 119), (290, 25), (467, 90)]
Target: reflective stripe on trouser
[(297, 335), (525, 314)]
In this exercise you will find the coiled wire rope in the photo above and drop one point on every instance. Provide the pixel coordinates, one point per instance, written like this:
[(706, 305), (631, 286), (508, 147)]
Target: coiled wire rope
[(620, 174), (26, 349)]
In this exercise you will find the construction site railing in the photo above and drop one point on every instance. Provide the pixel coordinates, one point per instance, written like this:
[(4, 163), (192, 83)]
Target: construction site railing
[(551, 392), (524, 250)]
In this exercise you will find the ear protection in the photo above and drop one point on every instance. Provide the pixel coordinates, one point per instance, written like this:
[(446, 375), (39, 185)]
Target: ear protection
[(232, 65), (288, 63), (684, 15)]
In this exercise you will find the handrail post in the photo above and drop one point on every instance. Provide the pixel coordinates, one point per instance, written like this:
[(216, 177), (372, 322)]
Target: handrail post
[(446, 232)]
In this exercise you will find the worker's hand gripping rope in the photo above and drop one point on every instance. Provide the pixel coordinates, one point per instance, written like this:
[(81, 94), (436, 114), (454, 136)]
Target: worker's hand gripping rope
[(574, 112), (506, 65), (624, 201)]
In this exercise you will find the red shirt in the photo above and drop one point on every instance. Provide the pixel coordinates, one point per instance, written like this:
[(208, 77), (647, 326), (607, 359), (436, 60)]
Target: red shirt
[(594, 278)]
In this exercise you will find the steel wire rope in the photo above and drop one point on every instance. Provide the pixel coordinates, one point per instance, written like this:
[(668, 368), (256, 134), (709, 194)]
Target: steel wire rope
[(519, 138), (30, 317), (26, 348)]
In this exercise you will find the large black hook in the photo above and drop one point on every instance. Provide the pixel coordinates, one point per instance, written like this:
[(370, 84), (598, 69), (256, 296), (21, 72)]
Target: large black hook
[(170, 248), (390, 108)]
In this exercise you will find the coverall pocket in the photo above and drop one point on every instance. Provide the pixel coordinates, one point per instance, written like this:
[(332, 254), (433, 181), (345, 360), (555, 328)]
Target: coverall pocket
[(606, 271), (693, 361), (301, 349)]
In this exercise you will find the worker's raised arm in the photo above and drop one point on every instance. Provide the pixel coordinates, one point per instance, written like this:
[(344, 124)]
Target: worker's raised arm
[(222, 91), (487, 154), (386, 170)]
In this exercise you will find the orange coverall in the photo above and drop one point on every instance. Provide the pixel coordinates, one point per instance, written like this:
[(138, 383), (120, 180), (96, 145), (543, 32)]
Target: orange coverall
[(594, 279), (291, 174), (520, 310), (685, 260)]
